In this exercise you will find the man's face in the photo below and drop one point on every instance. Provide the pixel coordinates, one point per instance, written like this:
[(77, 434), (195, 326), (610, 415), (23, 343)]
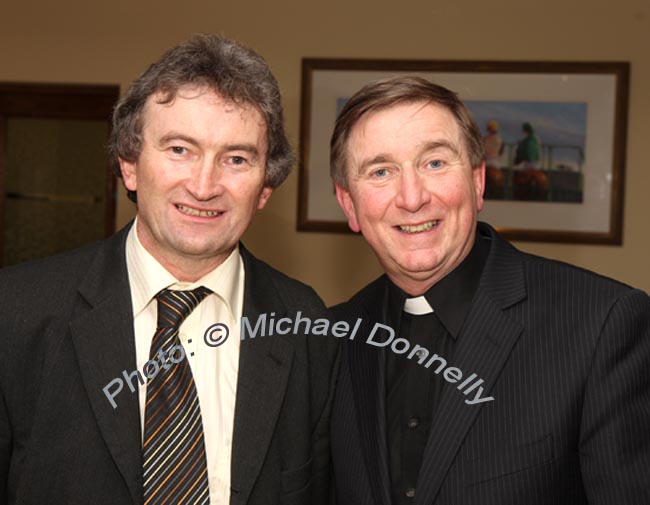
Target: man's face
[(199, 178), (412, 192)]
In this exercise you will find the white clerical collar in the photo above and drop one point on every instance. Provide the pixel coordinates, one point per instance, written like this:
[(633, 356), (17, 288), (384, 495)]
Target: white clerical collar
[(417, 306)]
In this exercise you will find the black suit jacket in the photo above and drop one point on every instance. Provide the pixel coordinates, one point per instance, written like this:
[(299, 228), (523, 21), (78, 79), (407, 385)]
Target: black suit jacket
[(66, 330), (566, 355)]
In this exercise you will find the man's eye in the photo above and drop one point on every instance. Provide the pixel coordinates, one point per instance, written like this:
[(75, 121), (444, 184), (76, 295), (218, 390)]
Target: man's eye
[(435, 164), (178, 150), (237, 160), (380, 172)]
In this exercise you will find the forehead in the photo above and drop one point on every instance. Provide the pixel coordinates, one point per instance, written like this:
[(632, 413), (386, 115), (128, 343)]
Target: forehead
[(406, 124), (191, 103)]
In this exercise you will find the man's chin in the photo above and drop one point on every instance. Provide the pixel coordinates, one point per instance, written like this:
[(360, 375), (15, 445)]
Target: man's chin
[(415, 272), (201, 249), (420, 265)]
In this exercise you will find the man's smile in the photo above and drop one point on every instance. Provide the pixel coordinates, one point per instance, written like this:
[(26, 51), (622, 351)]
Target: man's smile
[(418, 228), (190, 211)]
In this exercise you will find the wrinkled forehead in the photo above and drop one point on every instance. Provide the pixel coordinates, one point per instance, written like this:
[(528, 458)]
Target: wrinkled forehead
[(425, 122), (162, 100), (164, 96)]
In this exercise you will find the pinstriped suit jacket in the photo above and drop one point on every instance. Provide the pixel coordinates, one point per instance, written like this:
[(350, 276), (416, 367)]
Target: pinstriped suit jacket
[(566, 355)]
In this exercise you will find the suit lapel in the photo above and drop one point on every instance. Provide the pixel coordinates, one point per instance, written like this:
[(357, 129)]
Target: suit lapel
[(103, 338), (367, 372), (485, 342), (264, 366)]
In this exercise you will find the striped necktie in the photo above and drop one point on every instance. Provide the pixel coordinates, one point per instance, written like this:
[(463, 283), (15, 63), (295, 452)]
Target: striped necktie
[(175, 467)]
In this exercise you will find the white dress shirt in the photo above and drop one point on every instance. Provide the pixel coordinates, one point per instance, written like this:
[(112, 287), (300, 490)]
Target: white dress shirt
[(215, 369)]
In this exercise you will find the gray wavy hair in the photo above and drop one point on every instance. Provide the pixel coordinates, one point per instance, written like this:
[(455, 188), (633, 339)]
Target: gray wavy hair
[(235, 72)]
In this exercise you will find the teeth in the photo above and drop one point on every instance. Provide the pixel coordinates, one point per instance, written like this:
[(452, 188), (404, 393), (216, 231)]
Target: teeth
[(419, 227), (196, 212)]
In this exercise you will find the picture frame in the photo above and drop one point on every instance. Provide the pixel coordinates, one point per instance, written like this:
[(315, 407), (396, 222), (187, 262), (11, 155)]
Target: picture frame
[(577, 112)]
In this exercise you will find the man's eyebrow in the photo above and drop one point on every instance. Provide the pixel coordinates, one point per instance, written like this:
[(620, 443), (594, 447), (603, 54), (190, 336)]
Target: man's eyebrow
[(249, 148), (427, 146), (439, 144), (379, 158), (174, 136)]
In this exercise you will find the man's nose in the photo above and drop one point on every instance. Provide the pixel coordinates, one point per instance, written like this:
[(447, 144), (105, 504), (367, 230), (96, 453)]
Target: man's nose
[(206, 180), (412, 192)]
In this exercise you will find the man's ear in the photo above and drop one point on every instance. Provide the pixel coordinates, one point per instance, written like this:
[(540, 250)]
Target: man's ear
[(264, 197), (129, 174), (347, 204), (478, 176)]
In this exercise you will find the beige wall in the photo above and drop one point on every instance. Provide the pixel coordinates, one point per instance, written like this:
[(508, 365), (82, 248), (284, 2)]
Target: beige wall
[(78, 41)]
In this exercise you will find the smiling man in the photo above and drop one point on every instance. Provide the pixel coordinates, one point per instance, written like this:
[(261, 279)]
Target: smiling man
[(522, 380), (200, 143)]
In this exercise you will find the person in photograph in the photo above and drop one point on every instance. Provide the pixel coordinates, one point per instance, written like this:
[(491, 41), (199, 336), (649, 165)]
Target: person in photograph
[(529, 148), (493, 144), (494, 176)]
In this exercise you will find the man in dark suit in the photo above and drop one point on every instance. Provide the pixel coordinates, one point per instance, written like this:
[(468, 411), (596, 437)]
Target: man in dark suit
[(479, 374), (108, 391)]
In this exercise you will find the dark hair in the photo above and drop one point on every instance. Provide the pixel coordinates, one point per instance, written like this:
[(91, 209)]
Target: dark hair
[(233, 71), (386, 93)]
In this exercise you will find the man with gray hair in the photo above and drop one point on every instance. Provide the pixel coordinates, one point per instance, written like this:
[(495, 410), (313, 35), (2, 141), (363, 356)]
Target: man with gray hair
[(495, 377), (118, 382)]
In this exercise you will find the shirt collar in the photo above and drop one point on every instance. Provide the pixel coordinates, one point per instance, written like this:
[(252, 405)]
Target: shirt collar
[(417, 306), (147, 277)]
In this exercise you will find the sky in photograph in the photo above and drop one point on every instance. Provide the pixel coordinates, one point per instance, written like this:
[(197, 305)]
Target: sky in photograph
[(555, 123)]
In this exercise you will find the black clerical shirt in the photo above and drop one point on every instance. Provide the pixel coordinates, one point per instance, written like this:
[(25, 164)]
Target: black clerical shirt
[(413, 391)]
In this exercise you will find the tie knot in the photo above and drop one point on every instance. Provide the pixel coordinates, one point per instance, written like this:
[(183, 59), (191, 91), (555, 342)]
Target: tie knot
[(175, 306)]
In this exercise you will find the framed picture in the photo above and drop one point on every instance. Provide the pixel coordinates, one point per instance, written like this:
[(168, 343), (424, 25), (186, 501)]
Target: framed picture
[(554, 135)]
